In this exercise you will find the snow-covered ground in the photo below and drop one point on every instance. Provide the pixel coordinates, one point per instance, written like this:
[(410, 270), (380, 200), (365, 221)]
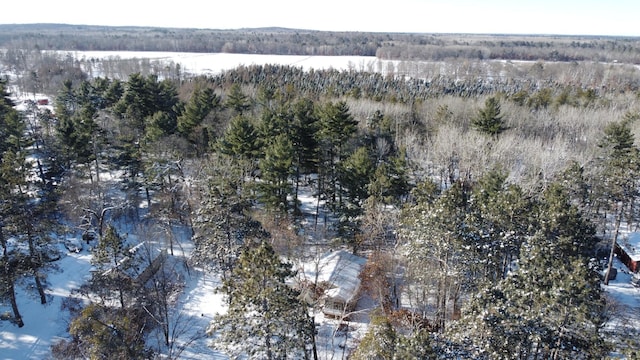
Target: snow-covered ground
[(213, 63), (43, 323)]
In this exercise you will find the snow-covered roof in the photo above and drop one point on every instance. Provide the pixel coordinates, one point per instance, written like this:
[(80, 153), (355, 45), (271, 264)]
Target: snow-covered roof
[(340, 270), (631, 245)]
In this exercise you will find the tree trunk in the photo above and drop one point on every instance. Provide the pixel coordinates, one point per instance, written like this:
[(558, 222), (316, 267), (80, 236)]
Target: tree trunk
[(442, 304), (43, 296), (614, 239), (97, 161), (8, 276), (14, 304), (35, 263), (313, 338)]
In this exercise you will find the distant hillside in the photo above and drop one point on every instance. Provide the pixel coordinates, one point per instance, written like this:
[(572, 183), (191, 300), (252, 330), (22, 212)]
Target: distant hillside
[(253, 41), (283, 41)]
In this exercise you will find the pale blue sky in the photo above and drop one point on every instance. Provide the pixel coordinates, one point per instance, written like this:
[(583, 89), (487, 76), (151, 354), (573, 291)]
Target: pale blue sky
[(576, 17)]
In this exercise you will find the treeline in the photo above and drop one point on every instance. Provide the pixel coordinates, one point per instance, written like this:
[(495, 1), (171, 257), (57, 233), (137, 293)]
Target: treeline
[(242, 41), (37, 71), (395, 46), (506, 47)]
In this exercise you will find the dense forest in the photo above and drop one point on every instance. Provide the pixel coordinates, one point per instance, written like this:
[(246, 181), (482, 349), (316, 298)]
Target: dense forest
[(398, 46), (485, 193)]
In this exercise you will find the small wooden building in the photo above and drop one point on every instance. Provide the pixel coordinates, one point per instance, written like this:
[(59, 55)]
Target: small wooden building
[(333, 281), (628, 251)]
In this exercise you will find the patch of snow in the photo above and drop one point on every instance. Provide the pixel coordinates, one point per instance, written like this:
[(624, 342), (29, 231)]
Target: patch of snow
[(43, 324)]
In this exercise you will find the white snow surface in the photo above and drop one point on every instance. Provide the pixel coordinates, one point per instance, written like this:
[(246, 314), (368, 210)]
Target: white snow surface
[(631, 245), (340, 269), (43, 323), (213, 63)]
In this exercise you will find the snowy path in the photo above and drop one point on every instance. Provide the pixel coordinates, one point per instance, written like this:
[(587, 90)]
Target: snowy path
[(625, 311), (197, 306)]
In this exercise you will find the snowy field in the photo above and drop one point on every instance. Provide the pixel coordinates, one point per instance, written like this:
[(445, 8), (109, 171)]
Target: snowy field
[(213, 63)]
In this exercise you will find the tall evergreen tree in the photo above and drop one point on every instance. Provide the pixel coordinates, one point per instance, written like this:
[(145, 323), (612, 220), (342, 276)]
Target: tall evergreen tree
[(618, 185), (379, 343), (199, 106), (498, 222), (12, 183), (276, 169), (355, 173), (433, 249), (116, 266), (304, 129), (143, 97), (265, 319), (237, 101), (390, 182), (337, 127), (240, 139), (102, 332), (221, 222), (305, 144)]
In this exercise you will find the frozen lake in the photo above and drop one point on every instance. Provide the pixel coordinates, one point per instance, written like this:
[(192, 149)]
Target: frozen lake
[(213, 63)]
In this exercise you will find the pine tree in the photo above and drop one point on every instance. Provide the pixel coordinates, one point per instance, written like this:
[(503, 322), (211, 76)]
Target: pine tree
[(240, 139), (221, 222), (304, 137), (355, 174), (101, 332), (199, 106), (489, 119), (276, 122), (497, 223), (434, 252), (337, 128), (237, 101), (618, 185), (390, 182), (158, 126), (116, 267), (415, 346), (303, 128), (276, 169), (143, 97), (265, 319), (12, 189)]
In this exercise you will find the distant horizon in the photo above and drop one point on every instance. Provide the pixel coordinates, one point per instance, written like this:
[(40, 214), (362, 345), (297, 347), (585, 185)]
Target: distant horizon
[(526, 17), (314, 30)]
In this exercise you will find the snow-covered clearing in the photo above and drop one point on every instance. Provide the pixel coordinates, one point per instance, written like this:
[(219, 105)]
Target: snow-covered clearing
[(43, 323), (213, 63)]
